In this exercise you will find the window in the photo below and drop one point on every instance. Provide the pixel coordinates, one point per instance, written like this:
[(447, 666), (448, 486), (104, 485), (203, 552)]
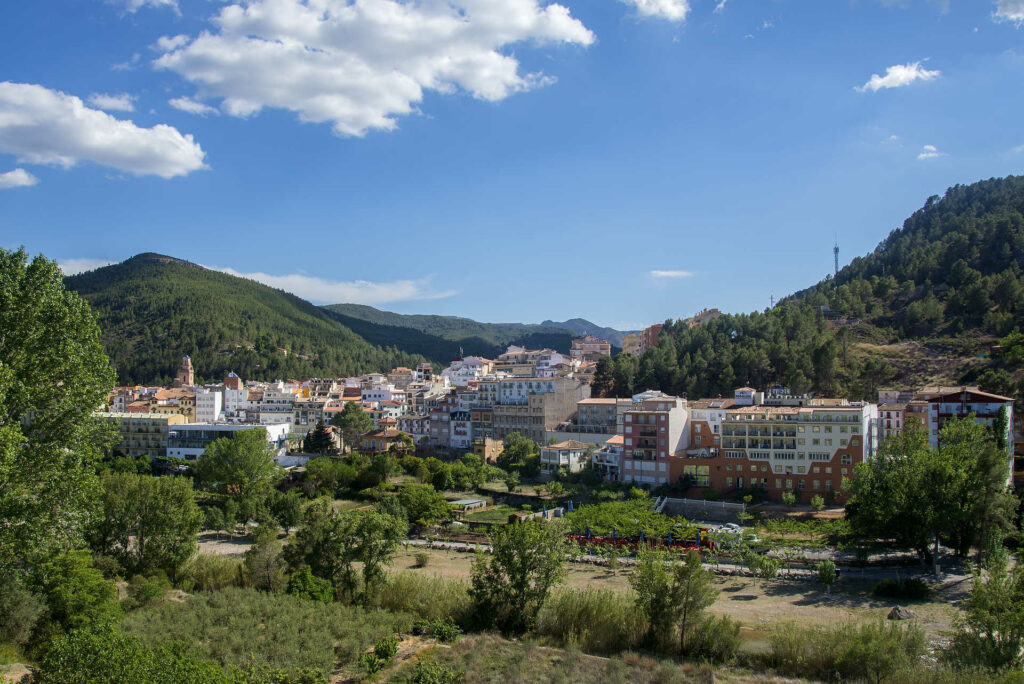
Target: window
[(817, 428), (815, 441), (816, 484), (789, 483), (800, 484), (801, 469), (828, 470), (778, 483), (728, 466), (846, 459), (815, 469), (828, 442), (739, 466), (828, 484), (800, 441), (728, 482)]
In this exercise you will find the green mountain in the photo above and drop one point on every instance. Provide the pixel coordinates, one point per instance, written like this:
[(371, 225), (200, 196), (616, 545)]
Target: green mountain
[(928, 305), (581, 326), (440, 337), (153, 309)]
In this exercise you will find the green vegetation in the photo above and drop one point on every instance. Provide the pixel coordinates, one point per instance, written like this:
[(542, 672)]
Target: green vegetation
[(510, 584), (628, 518), (441, 337), (595, 620), (427, 597), (240, 626), (241, 466), (48, 384), (155, 309), (902, 588)]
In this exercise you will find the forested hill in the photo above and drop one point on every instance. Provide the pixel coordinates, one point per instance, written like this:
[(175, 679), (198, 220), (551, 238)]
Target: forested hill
[(476, 338), (154, 309), (928, 305)]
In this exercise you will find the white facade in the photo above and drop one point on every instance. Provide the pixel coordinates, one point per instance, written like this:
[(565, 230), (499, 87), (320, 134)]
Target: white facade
[(209, 406), (379, 393), (189, 441)]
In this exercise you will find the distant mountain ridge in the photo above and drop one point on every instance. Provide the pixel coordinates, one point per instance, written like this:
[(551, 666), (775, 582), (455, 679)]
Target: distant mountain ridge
[(581, 326)]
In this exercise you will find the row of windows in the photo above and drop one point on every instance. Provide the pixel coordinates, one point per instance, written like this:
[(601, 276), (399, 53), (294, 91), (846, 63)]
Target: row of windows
[(763, 482), (800, 470)]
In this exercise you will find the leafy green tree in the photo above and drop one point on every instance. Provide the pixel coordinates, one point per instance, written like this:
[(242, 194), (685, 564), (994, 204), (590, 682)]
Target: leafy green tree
[(20, 610), (241, 466), (352, 421), (827, 575), (318, 440), (509, 585), (788, 499), (989, 633), (305, 584), (147, 522), (286, 507), (817, 502), (53, 373), (76, 595), (671, 594), (331, 544), (214, 519), (424, 505), (265, 565)]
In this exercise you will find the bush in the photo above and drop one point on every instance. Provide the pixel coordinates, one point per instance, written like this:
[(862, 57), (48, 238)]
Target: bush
[(245, 626), (716, 639), (145, 591), (902, 588), (595, 620), (873, 650), (817, 502), (304, 584), (20, 610), (386, 648), (428, 672), (427, 597), (442, 629), (422, 559), (371, 663), (212, 572)]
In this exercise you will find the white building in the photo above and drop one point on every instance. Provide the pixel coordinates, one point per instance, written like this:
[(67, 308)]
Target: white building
[(570, 455), (209, 406), (189, 441)]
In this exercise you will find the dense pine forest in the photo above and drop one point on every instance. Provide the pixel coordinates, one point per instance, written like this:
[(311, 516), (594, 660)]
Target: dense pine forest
[(153, 310), (938, 293)]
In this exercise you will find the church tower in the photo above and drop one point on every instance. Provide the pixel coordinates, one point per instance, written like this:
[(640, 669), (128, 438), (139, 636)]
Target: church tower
[(186, 374)]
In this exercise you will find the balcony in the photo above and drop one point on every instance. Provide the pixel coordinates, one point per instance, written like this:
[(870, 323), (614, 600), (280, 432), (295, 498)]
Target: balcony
[(783, 444)]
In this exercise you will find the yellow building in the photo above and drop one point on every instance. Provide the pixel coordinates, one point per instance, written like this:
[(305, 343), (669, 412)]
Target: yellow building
[(174, 401), (141, 434), (631, 344)]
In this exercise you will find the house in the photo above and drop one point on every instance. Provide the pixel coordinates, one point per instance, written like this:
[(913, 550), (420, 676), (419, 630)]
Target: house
[(570, 455), (588, 349), (381, 440)]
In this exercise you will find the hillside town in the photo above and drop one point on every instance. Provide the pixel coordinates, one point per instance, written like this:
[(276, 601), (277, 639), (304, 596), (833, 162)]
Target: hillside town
[(764, 439)]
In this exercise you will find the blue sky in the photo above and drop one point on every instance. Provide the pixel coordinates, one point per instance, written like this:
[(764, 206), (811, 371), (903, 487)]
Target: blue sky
[(625, 161)]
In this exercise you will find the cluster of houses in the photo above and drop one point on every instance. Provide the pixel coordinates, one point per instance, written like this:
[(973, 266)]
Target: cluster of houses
[(772, 439)]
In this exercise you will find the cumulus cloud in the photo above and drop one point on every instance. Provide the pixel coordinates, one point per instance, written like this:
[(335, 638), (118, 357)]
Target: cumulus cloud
[(1010, 10), (187, 104), (897, 76), (73, 266), (113, 103), (322, 291), (360, 65), (930, 152), (43, 126), (671, 274), (18, 178), (673, 10)]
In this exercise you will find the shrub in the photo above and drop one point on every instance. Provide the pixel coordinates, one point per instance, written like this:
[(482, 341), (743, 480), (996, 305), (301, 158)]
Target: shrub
[(145, 591), (902, 588), (371, 663), (20, 610), (595, 620), (873, 650), (442, 629), (422, 559), (306, 585), (817, 502), (386, 648), (212, 572), (246, 626), (427, 597), (716, 639), (429, 672)]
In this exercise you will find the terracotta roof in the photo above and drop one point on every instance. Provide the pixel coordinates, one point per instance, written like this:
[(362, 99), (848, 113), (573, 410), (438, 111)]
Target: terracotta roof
[(972, 390), (617, 439)]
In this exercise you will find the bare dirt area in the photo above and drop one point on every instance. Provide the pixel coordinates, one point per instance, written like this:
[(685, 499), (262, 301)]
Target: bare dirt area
[(13, 672), (917, 364), (223, 545)]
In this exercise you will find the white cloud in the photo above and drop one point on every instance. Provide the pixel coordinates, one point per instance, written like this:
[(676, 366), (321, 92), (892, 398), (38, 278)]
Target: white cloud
[(673, 10), (1010, 10), (18, 178), (360, 65), (73, 266), (930, 152), (187, 104), (1018, 149), (319, 290), (43, 126), (136, 5), (671, 274), (897, 76), (113, 103), (129, 65), (721, 5)]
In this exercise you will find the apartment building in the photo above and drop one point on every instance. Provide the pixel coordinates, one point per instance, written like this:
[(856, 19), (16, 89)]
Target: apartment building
[(600, 416), (654, 431), (532, 406), (588, 349), (141, 434), (209, 406), (802, 449), (649, 337), (705, 425), (460, 427), (607, 461), (946, 404), (891, 419), (631, 344), (179, 400)]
